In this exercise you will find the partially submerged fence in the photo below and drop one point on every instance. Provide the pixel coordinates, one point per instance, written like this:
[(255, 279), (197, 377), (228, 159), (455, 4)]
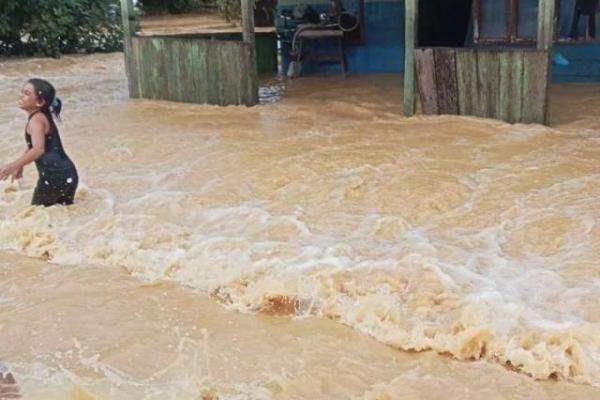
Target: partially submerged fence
[(192, 68), (506, 85)]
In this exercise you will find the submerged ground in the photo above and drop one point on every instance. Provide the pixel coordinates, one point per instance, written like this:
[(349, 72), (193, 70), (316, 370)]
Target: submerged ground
[(472, 245)]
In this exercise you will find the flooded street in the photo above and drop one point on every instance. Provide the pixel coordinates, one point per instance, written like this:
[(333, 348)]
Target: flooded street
[(318, 246)]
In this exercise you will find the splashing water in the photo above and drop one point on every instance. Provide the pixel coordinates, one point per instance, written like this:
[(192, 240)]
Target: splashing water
[(466, 237)]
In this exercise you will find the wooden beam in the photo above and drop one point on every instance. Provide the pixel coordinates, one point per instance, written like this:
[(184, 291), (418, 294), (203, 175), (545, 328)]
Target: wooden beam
[(127, 18), (445, 74), (466, 79), (476, 15), (545, 41), (411, 15), (536, 68), (248, 21), (250, 43), (428, 88), (131, 70), (546, 24), (512, 22)]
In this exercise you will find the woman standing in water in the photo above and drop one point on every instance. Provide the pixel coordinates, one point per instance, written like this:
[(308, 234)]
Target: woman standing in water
[(58, 177)]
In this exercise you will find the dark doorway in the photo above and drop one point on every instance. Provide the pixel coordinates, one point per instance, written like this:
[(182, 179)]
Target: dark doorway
[(443, 23)]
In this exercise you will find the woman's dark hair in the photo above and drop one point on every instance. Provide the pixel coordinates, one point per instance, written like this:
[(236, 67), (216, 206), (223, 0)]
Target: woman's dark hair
[(46, 92)]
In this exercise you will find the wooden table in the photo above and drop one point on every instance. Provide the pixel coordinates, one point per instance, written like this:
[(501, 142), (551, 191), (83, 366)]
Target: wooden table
[(310, 33)]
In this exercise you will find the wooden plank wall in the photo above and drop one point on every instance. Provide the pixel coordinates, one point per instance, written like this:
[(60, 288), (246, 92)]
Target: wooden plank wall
[(411, 8), (510, 85), (192, 70)]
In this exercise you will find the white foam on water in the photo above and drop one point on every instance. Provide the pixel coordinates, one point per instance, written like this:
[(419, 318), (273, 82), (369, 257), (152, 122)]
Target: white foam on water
[(468, 237)]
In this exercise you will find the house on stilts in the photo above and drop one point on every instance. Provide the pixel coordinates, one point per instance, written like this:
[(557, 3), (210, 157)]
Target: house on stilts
[(487, 58)]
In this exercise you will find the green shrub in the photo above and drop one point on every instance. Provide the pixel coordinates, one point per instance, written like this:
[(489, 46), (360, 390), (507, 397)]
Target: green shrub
[(183, 6), (264, 11), (174, 6), (54, 27), (230, 10)]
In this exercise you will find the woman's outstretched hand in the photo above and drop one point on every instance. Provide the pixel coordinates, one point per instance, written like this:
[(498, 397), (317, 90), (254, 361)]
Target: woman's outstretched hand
[(13, 171), (18, 175)]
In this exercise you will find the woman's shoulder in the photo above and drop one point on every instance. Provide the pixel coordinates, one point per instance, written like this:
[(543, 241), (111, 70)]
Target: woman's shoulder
[(39, 119), (38, 116)]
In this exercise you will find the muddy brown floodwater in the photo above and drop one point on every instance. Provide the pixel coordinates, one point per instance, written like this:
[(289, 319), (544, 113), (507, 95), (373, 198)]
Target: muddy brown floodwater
[(318, 246)]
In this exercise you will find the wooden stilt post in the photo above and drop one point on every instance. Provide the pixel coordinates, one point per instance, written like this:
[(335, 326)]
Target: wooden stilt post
[(127, 18), (248, 36), (546, 24), (545, 42), (410, 39), (248, 21)]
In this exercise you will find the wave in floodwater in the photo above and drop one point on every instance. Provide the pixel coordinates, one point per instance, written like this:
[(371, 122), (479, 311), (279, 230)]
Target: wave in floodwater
[(463, 236)]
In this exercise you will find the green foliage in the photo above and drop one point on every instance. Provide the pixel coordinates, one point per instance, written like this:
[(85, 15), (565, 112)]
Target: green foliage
[(54, 27), (183, 6), (231, 10), (174, 6)]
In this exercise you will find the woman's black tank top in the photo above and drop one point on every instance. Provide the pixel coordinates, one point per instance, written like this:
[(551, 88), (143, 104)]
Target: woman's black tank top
[(54, 166)]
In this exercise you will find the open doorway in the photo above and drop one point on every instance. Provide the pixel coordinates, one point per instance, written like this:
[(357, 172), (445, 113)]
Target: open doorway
[(443, 23)]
